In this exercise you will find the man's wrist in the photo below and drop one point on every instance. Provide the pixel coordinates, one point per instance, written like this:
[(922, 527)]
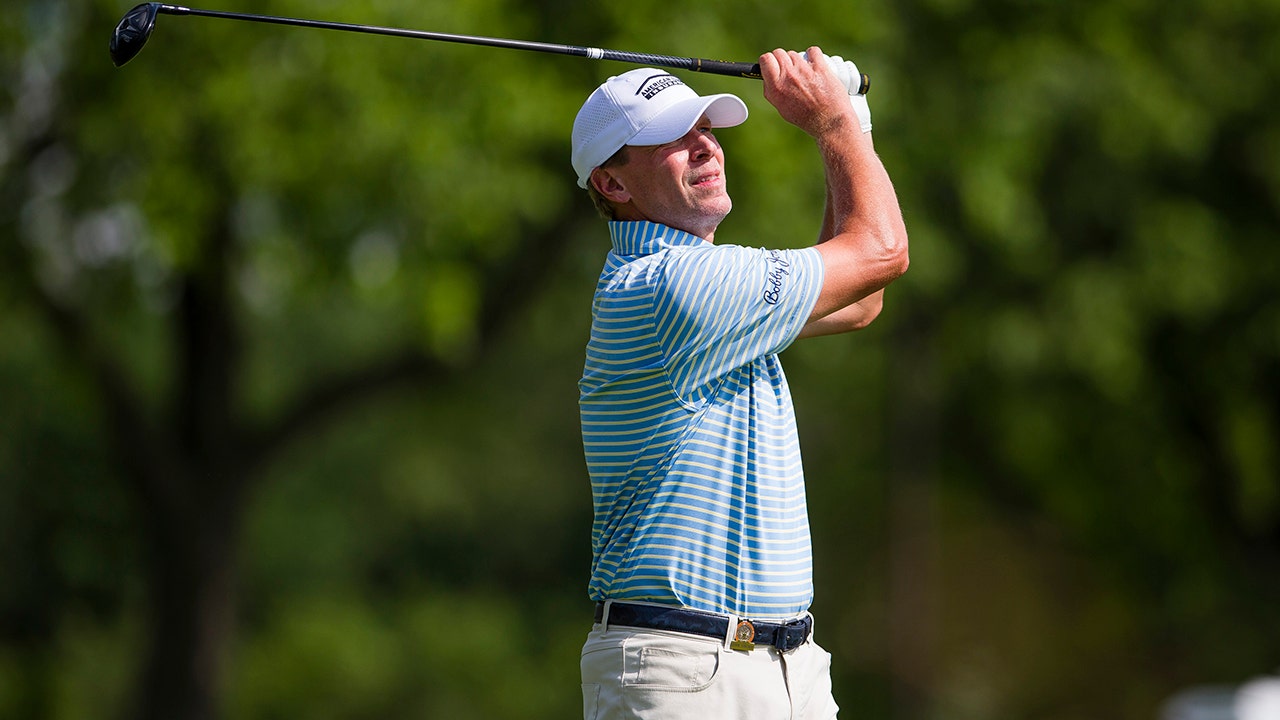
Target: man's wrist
[(839, 129)]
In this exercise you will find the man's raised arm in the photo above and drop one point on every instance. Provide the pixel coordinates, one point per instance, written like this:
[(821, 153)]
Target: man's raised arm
[(863, 240)]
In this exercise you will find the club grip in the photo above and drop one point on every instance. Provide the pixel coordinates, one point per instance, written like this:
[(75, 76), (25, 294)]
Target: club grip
[(752, 70)]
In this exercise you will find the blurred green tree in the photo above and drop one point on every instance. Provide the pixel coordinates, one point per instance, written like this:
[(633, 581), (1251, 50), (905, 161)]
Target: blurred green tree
[(223, 258)]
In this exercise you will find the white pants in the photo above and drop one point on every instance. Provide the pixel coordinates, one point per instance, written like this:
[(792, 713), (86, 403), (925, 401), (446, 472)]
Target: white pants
[(655, 675)]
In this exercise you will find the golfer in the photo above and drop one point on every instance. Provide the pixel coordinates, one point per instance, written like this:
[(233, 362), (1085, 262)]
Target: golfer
[(702, 570)]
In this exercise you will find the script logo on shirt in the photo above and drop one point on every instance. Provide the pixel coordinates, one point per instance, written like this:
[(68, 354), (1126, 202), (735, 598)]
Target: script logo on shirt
[(779, 269)]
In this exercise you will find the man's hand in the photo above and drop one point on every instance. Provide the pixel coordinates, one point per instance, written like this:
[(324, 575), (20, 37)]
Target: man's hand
[(809, 95)]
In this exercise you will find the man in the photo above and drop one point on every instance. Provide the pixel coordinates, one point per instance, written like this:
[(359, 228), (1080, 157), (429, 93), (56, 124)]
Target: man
[(702, 566)]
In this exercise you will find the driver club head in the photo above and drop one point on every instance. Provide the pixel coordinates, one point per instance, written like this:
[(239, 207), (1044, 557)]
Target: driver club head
[(132, 32)]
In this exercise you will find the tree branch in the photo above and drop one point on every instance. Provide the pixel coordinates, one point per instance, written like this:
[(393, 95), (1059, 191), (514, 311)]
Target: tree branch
[(505, 296), (327, 398), (137, 442)]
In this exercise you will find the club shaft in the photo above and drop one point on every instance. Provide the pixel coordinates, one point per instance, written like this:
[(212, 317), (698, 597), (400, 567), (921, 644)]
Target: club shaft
[(716, 67)]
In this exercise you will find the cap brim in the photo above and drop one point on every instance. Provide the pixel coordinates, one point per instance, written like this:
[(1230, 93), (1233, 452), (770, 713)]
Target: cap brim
[(722, 111)]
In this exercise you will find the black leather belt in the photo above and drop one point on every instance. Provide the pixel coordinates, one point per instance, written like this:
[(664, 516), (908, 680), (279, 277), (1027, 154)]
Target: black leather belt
[(785, 636)]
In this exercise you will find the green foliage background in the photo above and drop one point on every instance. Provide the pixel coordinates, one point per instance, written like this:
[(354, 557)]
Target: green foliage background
[(1045, 484)]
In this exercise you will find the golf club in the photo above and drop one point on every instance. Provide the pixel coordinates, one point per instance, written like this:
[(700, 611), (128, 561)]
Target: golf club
[(137, 25)]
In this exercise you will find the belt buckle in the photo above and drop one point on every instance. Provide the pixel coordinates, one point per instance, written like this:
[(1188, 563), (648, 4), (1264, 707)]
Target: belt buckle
[(743, 637), (798, 629)]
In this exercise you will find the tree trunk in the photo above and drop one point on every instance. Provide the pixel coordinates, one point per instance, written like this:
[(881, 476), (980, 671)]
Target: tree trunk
[(192, 592)]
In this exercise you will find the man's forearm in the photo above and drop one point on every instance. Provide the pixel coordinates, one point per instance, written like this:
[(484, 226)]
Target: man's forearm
[(832, 161), (863, 240), (860, 195), (828, 220)]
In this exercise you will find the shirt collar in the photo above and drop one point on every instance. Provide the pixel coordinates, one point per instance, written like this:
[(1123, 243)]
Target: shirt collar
[(641, 237)]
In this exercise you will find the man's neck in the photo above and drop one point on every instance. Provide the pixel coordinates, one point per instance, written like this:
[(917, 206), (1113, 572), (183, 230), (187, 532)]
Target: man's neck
[(628, 213)]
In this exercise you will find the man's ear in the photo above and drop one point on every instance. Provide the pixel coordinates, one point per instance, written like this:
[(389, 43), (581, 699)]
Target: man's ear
[(609, 186)]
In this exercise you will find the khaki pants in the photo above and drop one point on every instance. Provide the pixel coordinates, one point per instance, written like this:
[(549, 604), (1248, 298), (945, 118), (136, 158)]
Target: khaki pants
[(655, 675)]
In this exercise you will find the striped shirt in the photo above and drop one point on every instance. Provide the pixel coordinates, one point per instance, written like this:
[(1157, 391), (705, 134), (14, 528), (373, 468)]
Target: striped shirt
[(688, 428)]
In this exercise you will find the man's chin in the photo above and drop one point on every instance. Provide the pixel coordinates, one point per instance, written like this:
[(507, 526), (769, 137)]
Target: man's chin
[(712, 199), (720, 207)]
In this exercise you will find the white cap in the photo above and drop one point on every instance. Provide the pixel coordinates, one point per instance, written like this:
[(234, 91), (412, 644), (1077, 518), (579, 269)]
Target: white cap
[(643, 107)]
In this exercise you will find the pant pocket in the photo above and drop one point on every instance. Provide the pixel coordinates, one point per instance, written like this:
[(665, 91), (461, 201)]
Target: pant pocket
[(662, 665), (811, 683), (590, 701), (664, 669)]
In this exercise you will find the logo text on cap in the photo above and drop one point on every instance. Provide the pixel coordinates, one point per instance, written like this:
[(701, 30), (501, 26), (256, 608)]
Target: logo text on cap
[(656, 84)]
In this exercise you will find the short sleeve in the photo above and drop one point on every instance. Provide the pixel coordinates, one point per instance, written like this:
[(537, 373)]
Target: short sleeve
[(720, 307)]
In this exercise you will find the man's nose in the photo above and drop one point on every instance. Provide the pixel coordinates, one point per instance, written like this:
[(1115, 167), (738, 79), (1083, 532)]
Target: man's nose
[(700, 142)]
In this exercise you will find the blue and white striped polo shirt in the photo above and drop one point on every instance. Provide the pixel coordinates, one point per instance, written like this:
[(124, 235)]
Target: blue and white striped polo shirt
[(688, 427)]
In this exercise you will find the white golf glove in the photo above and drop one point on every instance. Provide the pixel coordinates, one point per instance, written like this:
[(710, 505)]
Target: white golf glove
[(852, 79)]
